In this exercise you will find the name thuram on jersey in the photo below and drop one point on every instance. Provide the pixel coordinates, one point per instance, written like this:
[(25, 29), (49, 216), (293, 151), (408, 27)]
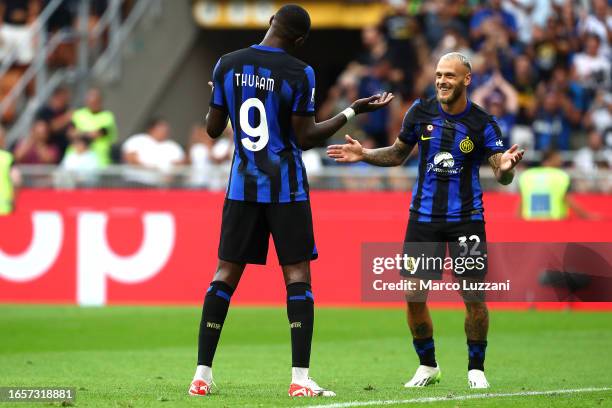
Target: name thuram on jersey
[(261, 88), (254, 81)]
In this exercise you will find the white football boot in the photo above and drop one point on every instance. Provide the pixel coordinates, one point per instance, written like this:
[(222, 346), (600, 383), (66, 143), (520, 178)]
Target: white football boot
[(477, 379), (425, 376), (309, 388)]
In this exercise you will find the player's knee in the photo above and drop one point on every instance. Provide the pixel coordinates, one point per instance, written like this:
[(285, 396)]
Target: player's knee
[(416, 299), (297, 273), (476, 308), (228, 273)]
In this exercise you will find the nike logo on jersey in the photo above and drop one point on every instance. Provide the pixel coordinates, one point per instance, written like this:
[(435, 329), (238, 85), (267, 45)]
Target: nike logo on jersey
[(426, 138)]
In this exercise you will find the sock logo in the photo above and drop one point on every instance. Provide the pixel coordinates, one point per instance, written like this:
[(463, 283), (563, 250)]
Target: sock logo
[(296, 325), (212, 325)]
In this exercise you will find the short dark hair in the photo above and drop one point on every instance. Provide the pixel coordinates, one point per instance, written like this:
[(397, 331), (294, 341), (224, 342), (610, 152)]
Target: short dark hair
[(293, 21), (549, 153), (154, 122)]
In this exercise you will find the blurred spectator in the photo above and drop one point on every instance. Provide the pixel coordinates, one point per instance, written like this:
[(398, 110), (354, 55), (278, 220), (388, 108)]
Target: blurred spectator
[(376, 81), (544, 191), (553, 45), (200, 150), (313, 162), (62, 19), (58, 115), (590, 160), (525, 81), (492, 21), (153, 153), (210, 159), (594, 155), (551, 124), (600, 114), (592, 68), (375, 45), (441, 16), (599, 22), (15, 29), (452, 41), (339, 96), (500, 99), (36, 148), (82, 162), (10, 178), (99, 125), (400, 30), (573, 90), (529, 13)]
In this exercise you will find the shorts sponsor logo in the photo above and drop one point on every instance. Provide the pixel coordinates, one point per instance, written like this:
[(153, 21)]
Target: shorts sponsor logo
[(212, 325)]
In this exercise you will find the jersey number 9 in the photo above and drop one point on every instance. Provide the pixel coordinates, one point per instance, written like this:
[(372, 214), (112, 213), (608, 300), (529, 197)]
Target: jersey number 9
[(261, 131)]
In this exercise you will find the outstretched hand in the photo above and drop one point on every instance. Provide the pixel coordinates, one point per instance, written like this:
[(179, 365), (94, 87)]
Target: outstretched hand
[(372, 103), (510, 158), (350, 152)]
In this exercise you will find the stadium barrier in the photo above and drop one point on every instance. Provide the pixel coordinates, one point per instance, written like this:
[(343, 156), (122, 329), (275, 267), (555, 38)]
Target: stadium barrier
[(96, 247)]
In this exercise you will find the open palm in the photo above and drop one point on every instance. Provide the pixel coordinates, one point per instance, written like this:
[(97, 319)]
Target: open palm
[(510, 158), (350, 152)]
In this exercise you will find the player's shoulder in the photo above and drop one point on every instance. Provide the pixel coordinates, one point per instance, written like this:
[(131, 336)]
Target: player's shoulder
[(479, 118), (281, 62), (295, 67), (234, 57), (421, 110)]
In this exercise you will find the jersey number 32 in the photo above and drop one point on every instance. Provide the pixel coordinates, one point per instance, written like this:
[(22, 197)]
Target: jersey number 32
[(259, 133)]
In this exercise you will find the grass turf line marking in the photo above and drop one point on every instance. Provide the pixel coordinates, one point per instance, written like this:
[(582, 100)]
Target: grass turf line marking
[(457, 398)]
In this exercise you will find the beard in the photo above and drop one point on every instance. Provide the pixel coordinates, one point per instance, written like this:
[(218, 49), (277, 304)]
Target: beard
[(454, 95)]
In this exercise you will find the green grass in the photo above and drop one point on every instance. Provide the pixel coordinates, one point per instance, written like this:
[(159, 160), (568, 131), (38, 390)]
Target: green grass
[(137, 356)]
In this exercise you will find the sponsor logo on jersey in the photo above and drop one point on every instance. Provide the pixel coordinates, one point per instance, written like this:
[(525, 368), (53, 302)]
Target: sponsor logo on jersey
[(443, 163)]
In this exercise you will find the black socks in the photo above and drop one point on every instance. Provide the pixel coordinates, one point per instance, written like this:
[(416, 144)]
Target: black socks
[(426, 351), (476, 354), (216, 304), (300, 312)]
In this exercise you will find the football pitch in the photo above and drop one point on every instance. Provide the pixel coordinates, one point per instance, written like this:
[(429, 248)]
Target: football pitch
[(145, 357)]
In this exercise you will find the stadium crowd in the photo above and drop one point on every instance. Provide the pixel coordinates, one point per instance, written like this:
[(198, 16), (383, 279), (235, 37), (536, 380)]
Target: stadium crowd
[(542, 67)]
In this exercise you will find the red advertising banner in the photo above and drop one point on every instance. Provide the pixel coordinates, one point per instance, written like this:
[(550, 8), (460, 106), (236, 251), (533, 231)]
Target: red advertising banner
[(95, 247)]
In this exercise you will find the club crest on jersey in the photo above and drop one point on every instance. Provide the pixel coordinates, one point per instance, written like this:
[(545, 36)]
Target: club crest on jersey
[(466, 145)]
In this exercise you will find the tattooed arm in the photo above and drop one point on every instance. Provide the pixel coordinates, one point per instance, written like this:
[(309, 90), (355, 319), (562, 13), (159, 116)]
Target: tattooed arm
[(503, 164), (352, 151)]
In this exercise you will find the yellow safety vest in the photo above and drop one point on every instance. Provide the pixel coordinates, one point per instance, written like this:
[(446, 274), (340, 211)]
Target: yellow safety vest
[(543, 191), (7, 193), (87, 121)]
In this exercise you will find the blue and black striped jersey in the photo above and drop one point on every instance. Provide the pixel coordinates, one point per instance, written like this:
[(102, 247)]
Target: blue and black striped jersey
[(260, 88), (451, 149)]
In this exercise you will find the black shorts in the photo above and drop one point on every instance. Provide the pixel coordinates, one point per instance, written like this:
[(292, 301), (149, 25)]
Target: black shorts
[(467, 248), (246, 229)]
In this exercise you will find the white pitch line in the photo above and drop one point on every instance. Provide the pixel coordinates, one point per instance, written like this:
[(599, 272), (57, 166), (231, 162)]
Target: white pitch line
[(456, 398)]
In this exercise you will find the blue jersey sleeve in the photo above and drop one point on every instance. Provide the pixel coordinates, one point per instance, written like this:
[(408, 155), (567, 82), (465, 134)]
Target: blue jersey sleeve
[(408, 133), (217, 99), (304, 95), (493, 139)]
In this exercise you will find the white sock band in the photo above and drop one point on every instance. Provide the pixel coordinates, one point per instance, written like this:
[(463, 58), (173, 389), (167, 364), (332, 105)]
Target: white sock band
[(299, 375), (203, 373), (348, 113)]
